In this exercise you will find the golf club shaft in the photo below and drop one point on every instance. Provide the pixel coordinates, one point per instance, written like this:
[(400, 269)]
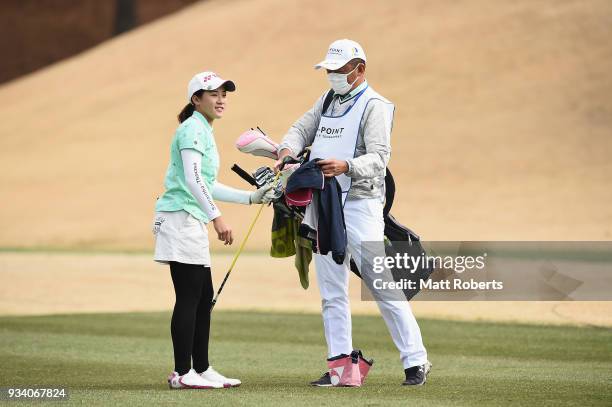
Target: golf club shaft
[(214, 301)]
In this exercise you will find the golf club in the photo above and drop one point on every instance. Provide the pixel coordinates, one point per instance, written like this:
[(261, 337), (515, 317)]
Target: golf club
[(231, 267)]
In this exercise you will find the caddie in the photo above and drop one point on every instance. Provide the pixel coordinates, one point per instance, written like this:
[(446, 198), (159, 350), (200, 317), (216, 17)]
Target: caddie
[(352, 137)]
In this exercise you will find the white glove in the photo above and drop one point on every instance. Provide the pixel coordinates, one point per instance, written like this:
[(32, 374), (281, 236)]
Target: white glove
[(263, 195)]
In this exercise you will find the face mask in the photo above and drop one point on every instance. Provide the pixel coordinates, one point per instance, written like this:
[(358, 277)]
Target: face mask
[(339, 83)]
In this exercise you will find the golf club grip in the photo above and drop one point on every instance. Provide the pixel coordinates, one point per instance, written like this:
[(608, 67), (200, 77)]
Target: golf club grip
[(214, 301), (221, 286), (244, 175)]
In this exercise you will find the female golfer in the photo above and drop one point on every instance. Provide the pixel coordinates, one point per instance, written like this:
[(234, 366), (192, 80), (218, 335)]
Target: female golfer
[(182, 213)]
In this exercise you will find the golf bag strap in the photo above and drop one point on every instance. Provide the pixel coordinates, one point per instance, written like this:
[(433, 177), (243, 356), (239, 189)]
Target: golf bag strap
[(389, 191), (353, 268), (327, 101)]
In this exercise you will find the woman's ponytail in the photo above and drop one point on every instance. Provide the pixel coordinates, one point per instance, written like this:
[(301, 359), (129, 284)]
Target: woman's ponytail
[(189, 108), (186, 112)]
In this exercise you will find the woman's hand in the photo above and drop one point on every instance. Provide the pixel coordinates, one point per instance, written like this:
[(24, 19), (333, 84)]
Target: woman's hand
[(224, 232), (263, 195)]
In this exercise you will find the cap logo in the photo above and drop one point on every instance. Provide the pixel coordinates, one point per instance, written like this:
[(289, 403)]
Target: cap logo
[(209, 77), (336, 51), (355, 51)]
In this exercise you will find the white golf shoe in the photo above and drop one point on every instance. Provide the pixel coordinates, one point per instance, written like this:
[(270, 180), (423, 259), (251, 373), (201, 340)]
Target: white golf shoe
[(212, 375), (173, 381), (191, 380)]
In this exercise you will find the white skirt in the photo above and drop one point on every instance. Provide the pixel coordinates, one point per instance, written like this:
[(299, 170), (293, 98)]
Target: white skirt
[(180, 237)]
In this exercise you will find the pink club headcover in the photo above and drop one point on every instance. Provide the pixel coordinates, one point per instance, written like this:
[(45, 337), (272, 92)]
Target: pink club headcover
[(256, 143)]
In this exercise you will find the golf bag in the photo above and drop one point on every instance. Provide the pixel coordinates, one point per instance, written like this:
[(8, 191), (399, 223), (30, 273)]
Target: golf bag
[(398, 238)]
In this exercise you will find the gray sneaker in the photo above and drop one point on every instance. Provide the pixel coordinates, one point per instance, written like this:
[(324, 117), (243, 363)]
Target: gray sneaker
[(417, 375), (324, 381)]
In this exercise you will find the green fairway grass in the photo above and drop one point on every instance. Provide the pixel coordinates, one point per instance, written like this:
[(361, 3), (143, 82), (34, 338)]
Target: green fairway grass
[(123, 359)]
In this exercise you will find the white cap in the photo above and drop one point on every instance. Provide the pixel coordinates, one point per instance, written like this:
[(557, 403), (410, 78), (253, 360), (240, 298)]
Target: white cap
[(339, 53), (207, 81)]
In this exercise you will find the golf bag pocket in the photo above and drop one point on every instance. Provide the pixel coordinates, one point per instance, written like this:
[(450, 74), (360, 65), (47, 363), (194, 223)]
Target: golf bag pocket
[(344, 371)]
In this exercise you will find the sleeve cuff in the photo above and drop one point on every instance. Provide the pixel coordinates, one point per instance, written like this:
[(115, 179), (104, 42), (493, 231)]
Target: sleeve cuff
[(287, 147), (192, 141), (349, 172), (225, 193)]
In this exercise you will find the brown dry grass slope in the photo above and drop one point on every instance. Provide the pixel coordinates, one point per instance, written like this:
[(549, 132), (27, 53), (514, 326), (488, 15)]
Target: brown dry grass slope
[(503, 127)]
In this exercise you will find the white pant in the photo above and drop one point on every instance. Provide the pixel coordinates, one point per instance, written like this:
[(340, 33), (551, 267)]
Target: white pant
[(364, 222)]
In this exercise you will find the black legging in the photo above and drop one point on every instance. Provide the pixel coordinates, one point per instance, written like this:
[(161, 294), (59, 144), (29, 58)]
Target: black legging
[(190, 326)]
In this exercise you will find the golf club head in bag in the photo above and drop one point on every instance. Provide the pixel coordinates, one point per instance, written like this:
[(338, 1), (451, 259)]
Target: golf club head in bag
[(264, 176), (256, 142)]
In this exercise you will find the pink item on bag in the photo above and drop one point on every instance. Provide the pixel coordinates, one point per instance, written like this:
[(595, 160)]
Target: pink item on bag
[(364, 365), (301, 197), (257, 143), (349, 370), (344, 371)]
